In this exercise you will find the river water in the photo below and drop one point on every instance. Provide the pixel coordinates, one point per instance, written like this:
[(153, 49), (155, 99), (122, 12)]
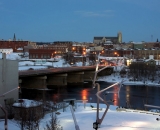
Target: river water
[(130, 96)]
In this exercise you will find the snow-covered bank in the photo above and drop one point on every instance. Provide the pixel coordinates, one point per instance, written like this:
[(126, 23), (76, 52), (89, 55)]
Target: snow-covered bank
[(117, 78), (114, 120)]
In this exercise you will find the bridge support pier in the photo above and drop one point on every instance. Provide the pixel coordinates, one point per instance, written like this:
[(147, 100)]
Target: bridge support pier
[(38, 82), (75, 78), (57, 80), (89, 75)]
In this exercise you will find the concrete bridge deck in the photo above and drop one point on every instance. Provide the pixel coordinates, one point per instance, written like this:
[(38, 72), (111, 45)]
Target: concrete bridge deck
[(53, 77), (48, 71)]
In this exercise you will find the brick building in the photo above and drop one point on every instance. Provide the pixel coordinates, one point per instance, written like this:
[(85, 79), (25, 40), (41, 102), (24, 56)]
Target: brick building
[(41, 53), (79, 48), (15, 45), (64, 43), (60, 49)]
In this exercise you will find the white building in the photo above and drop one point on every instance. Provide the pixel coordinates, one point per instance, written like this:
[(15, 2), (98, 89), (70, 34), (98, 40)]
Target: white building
[(6, 50)]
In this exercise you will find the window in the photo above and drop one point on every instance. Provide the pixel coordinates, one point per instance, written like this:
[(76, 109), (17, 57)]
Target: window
[(44, 55)]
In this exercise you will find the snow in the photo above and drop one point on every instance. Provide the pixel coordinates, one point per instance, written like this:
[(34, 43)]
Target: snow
[(116, 77), (11, 56), (27, 103), (114, 120)]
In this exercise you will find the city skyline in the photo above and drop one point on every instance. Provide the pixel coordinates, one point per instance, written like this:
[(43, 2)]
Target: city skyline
[(81, 21)]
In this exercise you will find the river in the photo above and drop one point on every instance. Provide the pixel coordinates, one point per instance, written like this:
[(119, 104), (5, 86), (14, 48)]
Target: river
[(130, 96)]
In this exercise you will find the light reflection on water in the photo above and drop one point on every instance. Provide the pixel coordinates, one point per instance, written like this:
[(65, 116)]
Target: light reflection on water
[(84, 94), (130, 96)]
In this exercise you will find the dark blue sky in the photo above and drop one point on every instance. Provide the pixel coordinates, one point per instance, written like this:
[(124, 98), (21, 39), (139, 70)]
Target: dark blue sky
[(79, 20)]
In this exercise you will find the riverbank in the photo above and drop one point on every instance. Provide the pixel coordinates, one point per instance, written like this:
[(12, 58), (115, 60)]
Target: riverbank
[(117, 78)]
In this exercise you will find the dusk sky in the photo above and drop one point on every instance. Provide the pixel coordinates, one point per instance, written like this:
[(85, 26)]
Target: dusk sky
[(79, 20)]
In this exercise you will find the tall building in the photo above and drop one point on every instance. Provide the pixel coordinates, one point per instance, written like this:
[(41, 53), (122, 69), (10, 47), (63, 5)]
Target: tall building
[(119, 35), (8, 82), (14, 37)]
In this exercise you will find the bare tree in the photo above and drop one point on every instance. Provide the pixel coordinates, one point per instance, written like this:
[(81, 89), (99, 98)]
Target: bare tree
[(53, 123), (20, 115), (34, 116)]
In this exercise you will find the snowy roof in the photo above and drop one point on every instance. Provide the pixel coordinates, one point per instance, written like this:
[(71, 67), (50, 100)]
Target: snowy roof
[(27, 103), (20, 49), (11, 56)]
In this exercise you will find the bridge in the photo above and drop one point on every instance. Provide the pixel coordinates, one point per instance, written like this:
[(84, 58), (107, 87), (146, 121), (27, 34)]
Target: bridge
[(40, 79)]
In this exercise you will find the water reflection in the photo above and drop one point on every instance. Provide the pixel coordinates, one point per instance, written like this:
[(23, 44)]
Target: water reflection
[(128, 97), (84, 94), (131, 96), (55, 98), (115, 98)]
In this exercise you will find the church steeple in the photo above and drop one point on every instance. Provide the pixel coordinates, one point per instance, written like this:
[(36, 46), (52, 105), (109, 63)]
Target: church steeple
[(14, 37)]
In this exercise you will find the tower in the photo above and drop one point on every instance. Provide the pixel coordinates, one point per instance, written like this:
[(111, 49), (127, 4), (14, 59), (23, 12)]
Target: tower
[(119, 35), (14, 37)]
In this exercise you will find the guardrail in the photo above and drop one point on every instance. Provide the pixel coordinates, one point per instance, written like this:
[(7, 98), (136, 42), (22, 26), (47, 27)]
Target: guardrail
[(120, 109)]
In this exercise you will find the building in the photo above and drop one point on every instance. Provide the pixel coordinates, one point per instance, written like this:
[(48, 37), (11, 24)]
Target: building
[(15, 45), (105, 39), (60, 49), (41, 53), (7, 50), (79, 48), (64, 43), (94, 52), (8, 81), (145, 53), (138, 45)]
